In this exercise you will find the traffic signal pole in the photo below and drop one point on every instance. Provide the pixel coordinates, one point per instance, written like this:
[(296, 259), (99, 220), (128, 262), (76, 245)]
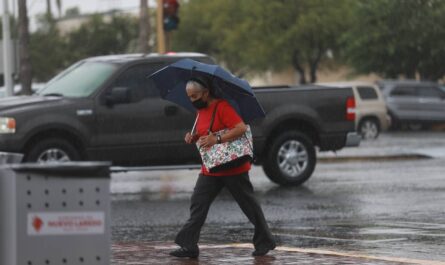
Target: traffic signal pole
[(160, 27), (7, 71)]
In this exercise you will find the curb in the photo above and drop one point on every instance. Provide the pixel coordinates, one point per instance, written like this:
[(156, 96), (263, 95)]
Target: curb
[(380, 158)]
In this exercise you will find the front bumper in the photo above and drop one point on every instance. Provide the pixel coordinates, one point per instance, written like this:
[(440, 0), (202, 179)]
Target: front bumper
[(352, 139), (11, 143)]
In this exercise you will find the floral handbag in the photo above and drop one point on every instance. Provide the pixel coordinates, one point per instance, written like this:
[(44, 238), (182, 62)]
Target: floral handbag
[(229, 154)]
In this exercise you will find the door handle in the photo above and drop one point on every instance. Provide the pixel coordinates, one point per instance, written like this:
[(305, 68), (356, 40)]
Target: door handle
[(171, 110)]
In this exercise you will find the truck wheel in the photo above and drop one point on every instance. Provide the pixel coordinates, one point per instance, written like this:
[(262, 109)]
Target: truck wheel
[(52, 150), (369, 129), (290, 159)]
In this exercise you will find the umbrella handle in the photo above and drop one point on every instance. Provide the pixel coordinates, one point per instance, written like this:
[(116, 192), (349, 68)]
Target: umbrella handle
[(194, 125)]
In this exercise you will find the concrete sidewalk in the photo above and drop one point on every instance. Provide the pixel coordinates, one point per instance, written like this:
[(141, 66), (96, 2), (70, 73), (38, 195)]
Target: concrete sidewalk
[(392, 146), (240, 254)]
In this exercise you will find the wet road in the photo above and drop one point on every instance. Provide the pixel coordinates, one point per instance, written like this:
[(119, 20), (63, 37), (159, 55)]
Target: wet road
[(392, 209)]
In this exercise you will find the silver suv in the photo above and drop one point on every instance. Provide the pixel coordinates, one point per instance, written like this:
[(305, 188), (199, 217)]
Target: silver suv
[(414, 104)]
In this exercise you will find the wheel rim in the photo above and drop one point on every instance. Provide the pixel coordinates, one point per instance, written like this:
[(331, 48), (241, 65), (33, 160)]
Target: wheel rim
[(292, 158), (369, 130), (53, 155)]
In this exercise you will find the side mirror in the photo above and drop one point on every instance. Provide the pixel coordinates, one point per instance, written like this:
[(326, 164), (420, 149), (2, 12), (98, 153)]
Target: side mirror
[(118, 95)]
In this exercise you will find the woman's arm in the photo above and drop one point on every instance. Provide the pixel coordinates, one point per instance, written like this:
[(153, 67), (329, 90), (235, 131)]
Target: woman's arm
[(232, 134)]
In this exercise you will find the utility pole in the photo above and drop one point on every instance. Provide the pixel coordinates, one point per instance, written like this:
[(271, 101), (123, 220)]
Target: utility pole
[(7, 71), (160, 26)]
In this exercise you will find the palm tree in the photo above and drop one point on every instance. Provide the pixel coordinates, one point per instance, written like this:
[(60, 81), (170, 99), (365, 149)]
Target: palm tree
[(59, 7), (49, 12), (25, 62)]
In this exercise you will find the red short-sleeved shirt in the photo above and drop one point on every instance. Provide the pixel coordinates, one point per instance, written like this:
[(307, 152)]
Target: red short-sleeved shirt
[(226, 117)]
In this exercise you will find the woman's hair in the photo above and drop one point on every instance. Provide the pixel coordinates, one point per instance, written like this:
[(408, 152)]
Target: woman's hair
[(201, 84), (197, 84)]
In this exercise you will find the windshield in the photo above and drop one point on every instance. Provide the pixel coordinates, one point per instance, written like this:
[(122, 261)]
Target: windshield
[(79, 80)]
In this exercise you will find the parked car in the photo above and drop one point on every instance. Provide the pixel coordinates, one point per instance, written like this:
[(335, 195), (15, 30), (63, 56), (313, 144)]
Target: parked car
[(414, 104), (104, 108), (371, 114)]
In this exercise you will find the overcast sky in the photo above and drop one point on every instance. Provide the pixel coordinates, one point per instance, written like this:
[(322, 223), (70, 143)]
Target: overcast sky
[(85, 6)]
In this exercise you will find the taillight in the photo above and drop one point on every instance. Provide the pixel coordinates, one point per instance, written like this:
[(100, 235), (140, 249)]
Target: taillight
[(350, 109)]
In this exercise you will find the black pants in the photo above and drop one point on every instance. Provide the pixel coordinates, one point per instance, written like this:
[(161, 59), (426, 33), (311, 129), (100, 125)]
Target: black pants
[(206, 189)]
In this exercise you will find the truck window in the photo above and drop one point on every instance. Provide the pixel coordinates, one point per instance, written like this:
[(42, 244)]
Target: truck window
[(136, 79), (429, 92), (79, 80), (404, 92), (367, 93)]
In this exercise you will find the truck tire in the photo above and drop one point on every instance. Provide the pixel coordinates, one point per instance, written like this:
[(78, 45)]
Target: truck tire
[(52, 150), (290, 159), (369, 129)]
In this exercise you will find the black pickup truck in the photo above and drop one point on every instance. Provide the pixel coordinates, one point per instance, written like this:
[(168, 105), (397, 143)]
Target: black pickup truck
[(103, 108)]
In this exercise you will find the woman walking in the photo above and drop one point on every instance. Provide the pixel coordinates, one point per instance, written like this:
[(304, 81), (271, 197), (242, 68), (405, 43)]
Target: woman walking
[(208, 185)]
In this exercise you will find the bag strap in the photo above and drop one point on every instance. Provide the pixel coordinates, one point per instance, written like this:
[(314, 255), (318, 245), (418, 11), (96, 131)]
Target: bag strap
[(209, 131)]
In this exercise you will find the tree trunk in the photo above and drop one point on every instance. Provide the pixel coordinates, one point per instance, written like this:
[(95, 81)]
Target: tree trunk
[(314, 65), (144, 27), (49, 12), (59, 7), (410, 74), (299, 67), (25, 62)]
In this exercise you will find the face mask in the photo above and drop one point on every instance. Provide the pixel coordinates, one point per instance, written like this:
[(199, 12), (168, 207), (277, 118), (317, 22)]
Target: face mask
[(199, 103)]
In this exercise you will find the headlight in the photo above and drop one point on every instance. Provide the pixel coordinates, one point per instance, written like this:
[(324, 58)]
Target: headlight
[(7, 125)]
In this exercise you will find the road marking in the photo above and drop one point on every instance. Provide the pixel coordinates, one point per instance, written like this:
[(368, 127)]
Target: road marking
[(349, 255), (345, 239), (319, 252), (416, 225)]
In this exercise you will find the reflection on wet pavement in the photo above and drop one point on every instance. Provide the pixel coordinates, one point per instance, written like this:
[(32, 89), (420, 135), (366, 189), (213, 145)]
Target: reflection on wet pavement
[(157, 253)]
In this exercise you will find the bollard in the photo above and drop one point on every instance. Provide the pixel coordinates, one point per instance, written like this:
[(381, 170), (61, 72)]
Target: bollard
[(55, 213)]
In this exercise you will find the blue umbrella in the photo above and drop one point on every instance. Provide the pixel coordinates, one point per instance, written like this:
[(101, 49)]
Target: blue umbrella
[(171, 82)]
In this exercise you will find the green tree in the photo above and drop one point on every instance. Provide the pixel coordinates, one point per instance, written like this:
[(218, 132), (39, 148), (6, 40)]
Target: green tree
[(397, 37), (51, 52), (72, 12), (48, 54), (303, 32), (100, 37), (257, 35)]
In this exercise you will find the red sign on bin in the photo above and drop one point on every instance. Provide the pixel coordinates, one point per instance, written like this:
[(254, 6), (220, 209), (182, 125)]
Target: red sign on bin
[(66, 223)]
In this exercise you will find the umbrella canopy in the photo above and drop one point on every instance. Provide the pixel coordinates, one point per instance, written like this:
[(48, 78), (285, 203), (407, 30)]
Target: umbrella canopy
[(172, 79)]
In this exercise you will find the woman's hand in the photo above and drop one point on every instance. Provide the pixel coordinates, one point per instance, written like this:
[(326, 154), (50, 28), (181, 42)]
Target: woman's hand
[(190, 138), (207, 141)]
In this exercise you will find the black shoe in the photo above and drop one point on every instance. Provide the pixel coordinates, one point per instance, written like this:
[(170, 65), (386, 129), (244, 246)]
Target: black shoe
[(260, 252), (185, 253)]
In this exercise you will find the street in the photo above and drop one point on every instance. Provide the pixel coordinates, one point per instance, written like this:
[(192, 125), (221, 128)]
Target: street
[(99, 98), (364, 211)]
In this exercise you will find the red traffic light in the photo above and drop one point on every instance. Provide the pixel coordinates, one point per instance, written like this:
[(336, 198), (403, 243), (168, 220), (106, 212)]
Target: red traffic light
[(170, 7)]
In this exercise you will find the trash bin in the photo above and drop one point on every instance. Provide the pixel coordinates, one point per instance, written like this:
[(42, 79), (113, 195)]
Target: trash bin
[(10, 158), (55, 213)]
